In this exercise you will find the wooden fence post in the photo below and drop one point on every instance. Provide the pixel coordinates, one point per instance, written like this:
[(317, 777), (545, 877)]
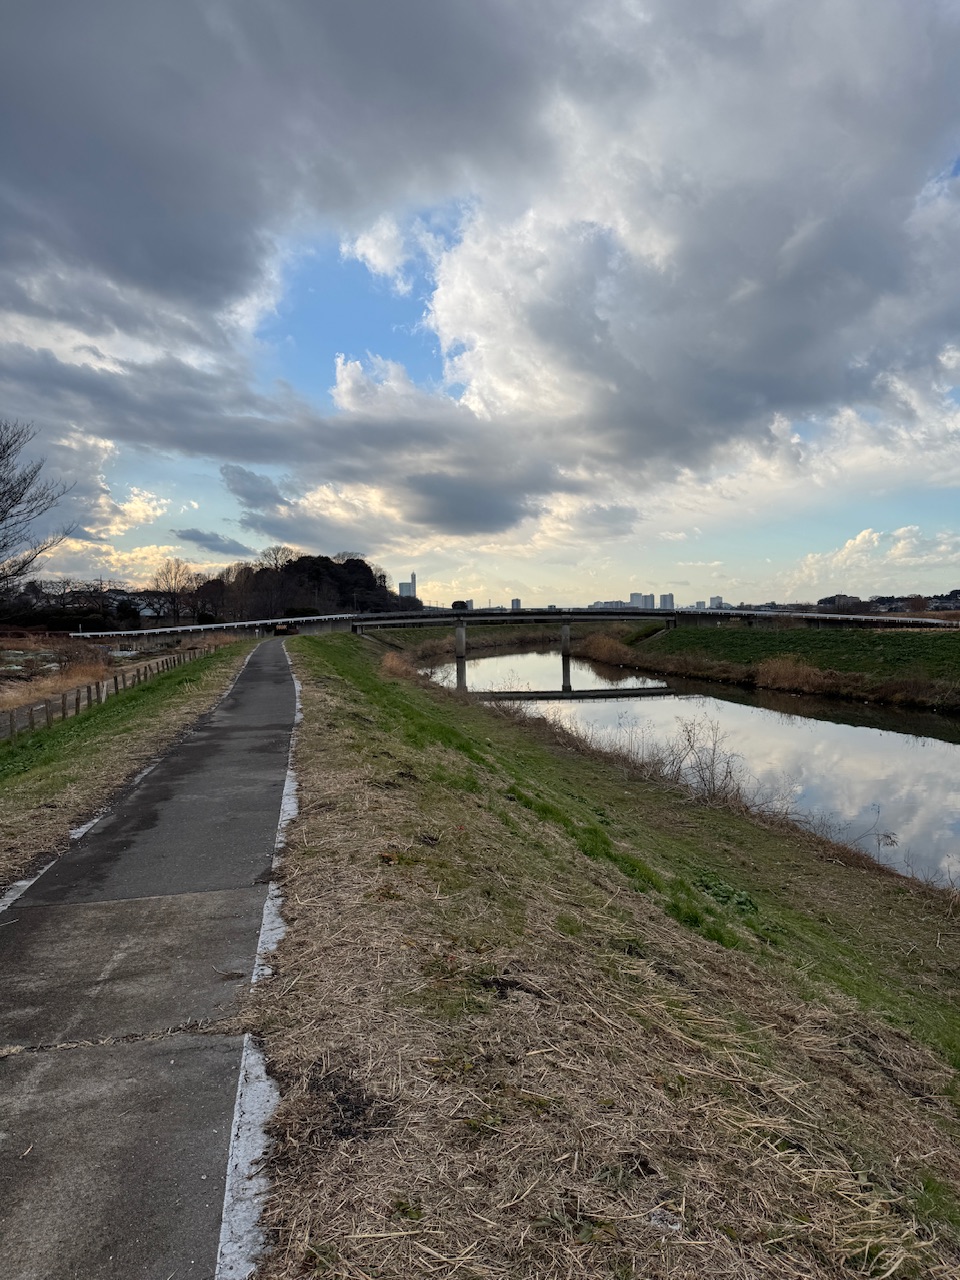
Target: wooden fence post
[(76, 702), (116, 684), (63, 706), (46, 712), (30, 720), (89, 697)]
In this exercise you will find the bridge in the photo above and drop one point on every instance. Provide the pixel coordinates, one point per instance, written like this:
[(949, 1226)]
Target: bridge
[(362, 622)]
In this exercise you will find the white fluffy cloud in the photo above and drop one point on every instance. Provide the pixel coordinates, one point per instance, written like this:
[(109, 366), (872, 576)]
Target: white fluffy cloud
[(883, 562)]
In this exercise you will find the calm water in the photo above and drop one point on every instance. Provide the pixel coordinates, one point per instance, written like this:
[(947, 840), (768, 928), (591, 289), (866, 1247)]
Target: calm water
[(863, 771)]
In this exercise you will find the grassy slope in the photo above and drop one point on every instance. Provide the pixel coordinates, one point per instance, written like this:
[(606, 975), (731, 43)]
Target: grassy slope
[(534, 1017), (916, 669), (932, 655), (53, 779)]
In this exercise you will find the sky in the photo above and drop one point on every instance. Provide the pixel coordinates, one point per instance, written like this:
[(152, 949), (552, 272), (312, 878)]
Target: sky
[(548, 300)]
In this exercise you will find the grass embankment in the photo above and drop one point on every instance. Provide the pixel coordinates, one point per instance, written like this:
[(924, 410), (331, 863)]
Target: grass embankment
[(535, 1017), (906, 668), (55, 778)]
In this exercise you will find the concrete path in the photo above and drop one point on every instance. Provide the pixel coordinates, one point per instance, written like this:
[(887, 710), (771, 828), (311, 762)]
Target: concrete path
[(113, 1151)]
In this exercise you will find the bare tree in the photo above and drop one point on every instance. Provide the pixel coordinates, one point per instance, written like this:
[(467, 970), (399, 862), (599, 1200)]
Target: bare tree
[(276, 557), (175, 582), (24, 498)]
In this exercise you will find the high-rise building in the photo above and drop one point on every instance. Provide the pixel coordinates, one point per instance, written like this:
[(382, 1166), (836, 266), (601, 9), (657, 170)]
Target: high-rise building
[(716, 602), (408, 588), (646, 602), (666, 600), (700, 605), (636, 600), (515, 602)]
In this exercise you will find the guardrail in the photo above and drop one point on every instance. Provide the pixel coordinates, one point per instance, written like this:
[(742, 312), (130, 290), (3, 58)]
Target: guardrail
[(43, 713)]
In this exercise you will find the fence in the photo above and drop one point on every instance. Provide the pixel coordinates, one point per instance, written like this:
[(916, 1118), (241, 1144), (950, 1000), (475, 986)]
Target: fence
[(43, 714)]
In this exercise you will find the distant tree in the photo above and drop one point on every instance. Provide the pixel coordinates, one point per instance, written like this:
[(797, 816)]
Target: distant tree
[(24, 498), (175, 583), (276, 557), (916, 604)]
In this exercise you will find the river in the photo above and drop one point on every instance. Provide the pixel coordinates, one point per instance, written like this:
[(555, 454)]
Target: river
[(886, 781)]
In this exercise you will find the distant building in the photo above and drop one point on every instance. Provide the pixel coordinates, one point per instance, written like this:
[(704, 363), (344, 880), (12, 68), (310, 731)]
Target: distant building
[(636, 599), (841, 603), (666, 600), (716, 602), (700, 605), (408, 588), (646, 602), (515, 603)]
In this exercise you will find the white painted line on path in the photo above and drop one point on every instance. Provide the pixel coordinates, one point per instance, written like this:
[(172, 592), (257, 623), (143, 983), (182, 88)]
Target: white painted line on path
[(18, 887), (241, 1236)]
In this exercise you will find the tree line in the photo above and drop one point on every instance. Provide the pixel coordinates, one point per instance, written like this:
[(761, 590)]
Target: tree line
[(279, 583)]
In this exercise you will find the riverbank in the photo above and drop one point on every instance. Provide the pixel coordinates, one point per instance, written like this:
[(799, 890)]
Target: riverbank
[(535, 1016), (919, 669)]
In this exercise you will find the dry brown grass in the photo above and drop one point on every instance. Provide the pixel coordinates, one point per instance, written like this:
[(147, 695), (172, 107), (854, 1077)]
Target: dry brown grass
[(498, 1061), (39, 809), (77, 664)]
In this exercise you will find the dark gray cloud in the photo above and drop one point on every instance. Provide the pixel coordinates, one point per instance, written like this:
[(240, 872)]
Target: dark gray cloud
[(214, 542), (468, 503), (163, 147), (257, 492)]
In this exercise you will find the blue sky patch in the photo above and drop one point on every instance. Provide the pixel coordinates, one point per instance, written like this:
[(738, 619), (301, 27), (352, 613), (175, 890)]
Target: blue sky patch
[(334, 304)]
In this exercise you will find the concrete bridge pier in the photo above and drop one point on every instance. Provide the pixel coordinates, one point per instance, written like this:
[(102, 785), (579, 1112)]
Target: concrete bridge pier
[(461, 652), (567, 687)]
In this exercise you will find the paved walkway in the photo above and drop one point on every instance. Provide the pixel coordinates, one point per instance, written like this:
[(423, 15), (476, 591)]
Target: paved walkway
[(113, 1156)]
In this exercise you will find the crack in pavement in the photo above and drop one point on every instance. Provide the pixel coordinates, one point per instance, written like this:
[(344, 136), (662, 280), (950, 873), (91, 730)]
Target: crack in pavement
[(194, 1026)]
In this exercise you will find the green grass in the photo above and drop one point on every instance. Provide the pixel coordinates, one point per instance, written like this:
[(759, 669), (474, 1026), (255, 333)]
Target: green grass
[(776, 895), (934, 655)]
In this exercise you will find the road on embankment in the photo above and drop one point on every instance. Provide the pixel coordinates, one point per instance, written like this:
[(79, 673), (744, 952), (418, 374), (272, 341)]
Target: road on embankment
[(116, 1113)]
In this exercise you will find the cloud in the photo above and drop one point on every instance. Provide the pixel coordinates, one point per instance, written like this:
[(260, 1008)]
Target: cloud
[(881, 562), (382, 250), (690, 259), (214, 542), (255, 491)]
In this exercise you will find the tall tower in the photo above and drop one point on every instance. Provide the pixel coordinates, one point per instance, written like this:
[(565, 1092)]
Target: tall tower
[(413, 583)]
